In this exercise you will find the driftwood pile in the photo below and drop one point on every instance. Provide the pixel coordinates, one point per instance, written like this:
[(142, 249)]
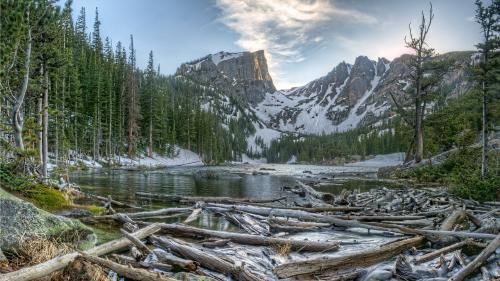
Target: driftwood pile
[(384, 234)]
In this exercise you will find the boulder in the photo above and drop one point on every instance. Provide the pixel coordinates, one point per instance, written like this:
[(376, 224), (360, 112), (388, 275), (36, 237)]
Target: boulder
[(19, 219)]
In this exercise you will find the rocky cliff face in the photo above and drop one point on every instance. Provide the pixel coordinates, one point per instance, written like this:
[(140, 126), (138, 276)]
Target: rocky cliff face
[(244, 76), (354, 95)]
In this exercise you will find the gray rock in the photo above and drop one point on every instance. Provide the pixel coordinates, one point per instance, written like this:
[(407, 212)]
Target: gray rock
[(243, 76), (19, 218)]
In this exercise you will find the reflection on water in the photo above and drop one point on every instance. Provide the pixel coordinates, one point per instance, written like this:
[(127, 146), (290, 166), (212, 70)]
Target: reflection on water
[(263, 181), (242, 181)]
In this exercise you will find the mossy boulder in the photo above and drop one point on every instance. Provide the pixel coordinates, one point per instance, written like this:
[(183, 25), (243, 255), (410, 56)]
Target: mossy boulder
[(20, 219)]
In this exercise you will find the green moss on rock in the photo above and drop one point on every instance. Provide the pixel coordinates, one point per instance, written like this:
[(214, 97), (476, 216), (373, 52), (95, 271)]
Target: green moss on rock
[(19, 219)]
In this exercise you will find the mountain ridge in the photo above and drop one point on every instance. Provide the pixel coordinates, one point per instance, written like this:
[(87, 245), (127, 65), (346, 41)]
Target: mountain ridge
[(349, 96)]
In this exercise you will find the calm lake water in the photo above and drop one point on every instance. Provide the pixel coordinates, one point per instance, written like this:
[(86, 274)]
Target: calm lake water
[(238, 181)]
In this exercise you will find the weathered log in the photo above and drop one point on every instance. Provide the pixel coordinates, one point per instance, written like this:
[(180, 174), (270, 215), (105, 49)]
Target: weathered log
[(339, 275), (132, 262), (177, 262), (434, 233), (360, 259), (247, 223), (194, 215), (112, 201), (127, 271), (208, 260), (208, 199), (404, 270), (442, 251), (299, 214), (325, 197), (478, 261), (296, 223), (215, 243), (453, 219), (138, 255), (414, 223), (474, 219), (141, 215), (45, 268), (291, 226), (327, 209), (381, 218), (249, 239), (138, 243)]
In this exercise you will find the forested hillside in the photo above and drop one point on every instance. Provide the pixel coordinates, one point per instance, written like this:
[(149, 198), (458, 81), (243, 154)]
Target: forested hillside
[(68, 91)]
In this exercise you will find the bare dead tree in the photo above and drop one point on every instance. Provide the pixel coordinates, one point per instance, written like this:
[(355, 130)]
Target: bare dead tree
[(422, 54)]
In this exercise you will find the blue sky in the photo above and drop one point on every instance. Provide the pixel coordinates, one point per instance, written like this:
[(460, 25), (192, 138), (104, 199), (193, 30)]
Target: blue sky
[(303, 39)]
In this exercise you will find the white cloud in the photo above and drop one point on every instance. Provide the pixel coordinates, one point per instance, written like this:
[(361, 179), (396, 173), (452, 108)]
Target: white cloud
[(283, 29)]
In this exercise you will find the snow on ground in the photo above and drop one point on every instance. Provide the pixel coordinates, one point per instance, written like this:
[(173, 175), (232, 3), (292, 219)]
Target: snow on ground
[(383, 160), (183, 157), (246, 159)]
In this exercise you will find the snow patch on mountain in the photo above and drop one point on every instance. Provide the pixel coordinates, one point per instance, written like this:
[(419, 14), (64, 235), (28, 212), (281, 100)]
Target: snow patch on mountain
[(303, 111), (262, 137), (222, 56)]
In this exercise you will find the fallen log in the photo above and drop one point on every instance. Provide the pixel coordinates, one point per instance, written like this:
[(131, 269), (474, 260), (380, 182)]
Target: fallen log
[(137, 242), (455, 218), (325, 197), (247, 223), (112, 201), (327, 209), (127, 271), (442, 251), (132, 262), (139, 215), (175, 261), (434, 233), (302, 215), (478, 261), (474, 219), (208, 260), (194, 215), (208, 199), (58, 263), (249, 239), (381, 218), (363, 258)]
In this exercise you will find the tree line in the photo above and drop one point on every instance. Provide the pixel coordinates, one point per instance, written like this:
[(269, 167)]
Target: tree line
[(65, 91)]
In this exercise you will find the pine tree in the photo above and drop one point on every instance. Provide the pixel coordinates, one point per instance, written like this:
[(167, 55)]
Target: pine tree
[(133, 103), (489, 20)]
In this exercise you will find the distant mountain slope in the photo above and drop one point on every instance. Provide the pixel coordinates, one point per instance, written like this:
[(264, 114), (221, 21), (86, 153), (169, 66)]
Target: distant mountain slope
[(347, 97)]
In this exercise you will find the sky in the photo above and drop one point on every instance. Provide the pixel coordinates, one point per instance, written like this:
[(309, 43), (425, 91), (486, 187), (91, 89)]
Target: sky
[(302, 39)]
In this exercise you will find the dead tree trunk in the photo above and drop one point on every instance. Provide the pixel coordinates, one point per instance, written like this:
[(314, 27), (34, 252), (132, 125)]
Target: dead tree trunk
[(360, 259), (127, 271), (17, 114), (45, 131), (249, 239), (206, 259), (478, 261)]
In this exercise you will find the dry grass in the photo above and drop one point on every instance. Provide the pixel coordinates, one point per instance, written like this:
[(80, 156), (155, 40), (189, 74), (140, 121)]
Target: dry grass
[(81, 270), (283, 250), (37, 249)]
